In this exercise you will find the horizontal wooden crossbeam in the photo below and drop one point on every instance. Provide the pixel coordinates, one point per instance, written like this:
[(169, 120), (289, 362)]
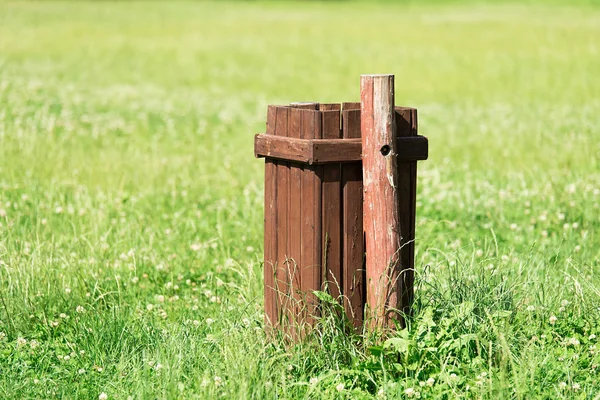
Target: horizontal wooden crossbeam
[(327, 151)]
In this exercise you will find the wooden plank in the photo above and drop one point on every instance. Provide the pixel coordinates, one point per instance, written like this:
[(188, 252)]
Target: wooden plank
[(406, 123), (311, 219), (270, 232), (305, 105), (351, 106), (332, 207), (295, 225), (283, 148), (326, 151), (335, 151), (380, 202), (330, 107), (353, 271), (283, 189)]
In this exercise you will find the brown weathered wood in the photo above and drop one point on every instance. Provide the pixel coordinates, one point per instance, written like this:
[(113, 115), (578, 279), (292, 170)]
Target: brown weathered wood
[(283, 192), (332, 207), (330, 107), (406, 125), (283, 148), (294, 224), (353, 271), (305, 105), (270, 233), (380, 210), (335, 151), (351, 106), (311, 219), (331, 151), (320, 218)]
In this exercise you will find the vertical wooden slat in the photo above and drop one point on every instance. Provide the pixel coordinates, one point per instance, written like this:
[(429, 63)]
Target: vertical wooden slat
[(380, 202), (311, 218), (406, 125), (270, 219), (295, 224), (353, 270), (351, 106), (283, 189), (332, 207)]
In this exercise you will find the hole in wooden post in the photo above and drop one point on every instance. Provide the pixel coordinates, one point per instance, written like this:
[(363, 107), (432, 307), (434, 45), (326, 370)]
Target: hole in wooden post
[(385, 150)]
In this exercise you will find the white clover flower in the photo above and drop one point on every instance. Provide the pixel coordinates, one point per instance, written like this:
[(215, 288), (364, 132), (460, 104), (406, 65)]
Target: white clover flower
[(339, 387), (2, 213), (68, 290), (81, 371), (430, 382), (67, 357), (552, 319), (565, 303), (410, 392), (160, 298), (591, 337), (62, 315), (573, 342), (313, 380), (135, 280), (21, 341), (80, 309), (205, 382), (530, 308), (196, 246), (149, 307), (562, 385), (576, 386), (103, 396), (34, 343), (218, 381), (196, 322)]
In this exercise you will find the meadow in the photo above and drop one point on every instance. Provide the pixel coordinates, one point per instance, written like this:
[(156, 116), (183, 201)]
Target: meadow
[(131, 207)]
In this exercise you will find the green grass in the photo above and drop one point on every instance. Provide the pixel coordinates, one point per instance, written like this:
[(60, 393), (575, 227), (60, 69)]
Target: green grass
[(128, 188)]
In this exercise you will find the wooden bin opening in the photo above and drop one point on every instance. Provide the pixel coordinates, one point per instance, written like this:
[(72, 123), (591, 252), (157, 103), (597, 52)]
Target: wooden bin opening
[(313, 233)]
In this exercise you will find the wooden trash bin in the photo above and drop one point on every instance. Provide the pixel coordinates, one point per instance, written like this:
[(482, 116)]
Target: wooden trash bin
[(313, 234)]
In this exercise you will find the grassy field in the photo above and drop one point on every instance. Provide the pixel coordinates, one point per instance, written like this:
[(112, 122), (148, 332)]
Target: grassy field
[(131, 204)]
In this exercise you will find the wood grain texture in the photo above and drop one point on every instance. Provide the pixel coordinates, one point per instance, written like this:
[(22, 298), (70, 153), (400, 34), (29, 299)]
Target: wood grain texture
[(406, 123), (380, 202), (270, 232), (294, 226), (331, 151), (332, 207), (283, 191), (353, 271), (311, 219)]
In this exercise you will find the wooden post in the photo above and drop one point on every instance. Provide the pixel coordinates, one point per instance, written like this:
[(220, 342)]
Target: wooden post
[(381, 219)]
